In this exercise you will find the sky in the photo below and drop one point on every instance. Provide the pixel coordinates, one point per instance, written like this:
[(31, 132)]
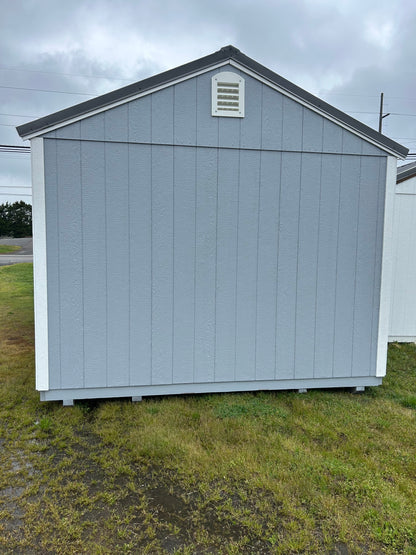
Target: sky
[(55, 54)]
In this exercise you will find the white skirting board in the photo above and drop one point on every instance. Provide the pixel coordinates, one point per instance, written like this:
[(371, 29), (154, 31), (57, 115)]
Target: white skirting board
[(218, 387)]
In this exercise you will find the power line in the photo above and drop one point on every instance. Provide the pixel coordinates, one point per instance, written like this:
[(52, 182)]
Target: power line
[(368, 96), (390, 113), (19, 115), (400, 114), (347, 94), (44, 90)]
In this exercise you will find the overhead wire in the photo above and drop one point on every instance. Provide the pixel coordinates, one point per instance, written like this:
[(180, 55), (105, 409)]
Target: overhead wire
[(44, 90), (2, 149)]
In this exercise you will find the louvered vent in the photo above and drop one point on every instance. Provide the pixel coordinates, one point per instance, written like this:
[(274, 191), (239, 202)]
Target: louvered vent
[(228, 95)]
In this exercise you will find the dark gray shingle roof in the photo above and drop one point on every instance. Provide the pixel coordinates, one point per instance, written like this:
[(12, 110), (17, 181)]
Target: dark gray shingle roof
[(406, 172), (226, 53)]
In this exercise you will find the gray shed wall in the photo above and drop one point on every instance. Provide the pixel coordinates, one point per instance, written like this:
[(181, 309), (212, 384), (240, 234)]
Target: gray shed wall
[(185, 248)]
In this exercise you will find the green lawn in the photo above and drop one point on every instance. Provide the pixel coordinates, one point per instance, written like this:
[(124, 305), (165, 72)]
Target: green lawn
[(322, 472), (6, 249)]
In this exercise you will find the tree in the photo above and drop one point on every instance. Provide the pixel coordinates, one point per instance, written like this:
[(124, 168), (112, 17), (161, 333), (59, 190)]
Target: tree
[(16, 219)]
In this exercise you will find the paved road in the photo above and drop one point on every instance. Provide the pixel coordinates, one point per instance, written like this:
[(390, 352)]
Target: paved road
[(24, 255)]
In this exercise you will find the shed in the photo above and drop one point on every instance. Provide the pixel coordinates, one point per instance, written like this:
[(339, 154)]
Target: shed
[(212, 228), (403, 297)]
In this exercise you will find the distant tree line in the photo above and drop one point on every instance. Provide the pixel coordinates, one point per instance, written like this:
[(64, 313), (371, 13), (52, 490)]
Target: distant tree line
[(15, 219)]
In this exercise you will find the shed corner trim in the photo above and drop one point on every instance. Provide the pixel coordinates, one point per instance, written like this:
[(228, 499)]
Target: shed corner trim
[(40, 274), (386, 268)]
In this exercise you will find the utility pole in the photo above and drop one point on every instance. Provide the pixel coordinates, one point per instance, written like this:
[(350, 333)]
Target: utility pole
[(381, 116)]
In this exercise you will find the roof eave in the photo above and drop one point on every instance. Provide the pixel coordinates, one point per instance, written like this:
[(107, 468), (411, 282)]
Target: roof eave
[(400, 150), (41, 125), (38, 126), (406, 174)]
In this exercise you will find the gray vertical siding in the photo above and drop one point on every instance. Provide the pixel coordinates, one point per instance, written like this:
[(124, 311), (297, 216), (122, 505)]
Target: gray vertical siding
[(307, 263), (94, 262), (246, 278), (267, 256), (140, 241), (226, 264), (184, 248), (204, 265), (118, 262), (184, 225), (326, 269), (181, 115), (162, 264)]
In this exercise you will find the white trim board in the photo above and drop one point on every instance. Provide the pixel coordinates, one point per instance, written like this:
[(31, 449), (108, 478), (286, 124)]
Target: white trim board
[(40, 275), (407, 187), (402, 339), (386, 267), (232, 63), (210, 387)]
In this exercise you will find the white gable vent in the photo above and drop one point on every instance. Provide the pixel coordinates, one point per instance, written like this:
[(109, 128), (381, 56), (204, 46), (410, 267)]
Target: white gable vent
[(228, 95)]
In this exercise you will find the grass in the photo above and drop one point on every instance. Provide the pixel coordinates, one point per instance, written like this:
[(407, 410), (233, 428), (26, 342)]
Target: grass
[(6, 249), (276, 472)]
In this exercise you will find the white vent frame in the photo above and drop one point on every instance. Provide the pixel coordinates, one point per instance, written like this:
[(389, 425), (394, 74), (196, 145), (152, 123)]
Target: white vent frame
[(228, 102)]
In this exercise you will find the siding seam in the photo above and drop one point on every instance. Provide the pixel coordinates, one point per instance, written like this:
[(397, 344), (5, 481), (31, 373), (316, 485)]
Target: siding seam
[(151, 241), (297, 255), (216, 264), (195, 226), (260, 176), (374, 304), (277, 264), (195, 241), (318, 237), (336, 262), (129, 246), (236, 266), (59, 265), (106, 259), (173, 234), (259, 180), (356, 268), (257, 149), (260, 171), (173, 264), (82, 262)]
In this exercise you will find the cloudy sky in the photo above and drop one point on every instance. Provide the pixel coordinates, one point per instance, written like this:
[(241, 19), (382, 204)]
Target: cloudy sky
[(54, 54)]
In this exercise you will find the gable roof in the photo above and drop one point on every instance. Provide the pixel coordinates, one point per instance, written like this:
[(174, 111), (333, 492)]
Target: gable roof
[(227, 54), (406, 172)]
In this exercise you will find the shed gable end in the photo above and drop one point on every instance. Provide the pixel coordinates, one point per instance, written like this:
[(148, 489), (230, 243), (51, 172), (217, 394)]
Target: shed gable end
[(181, 115)]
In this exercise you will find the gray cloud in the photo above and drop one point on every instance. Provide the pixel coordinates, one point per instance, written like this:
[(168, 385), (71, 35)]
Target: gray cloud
[(346, 52)]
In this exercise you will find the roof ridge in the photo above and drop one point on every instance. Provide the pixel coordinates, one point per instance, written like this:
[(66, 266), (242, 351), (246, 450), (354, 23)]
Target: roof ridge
[(229, 52), (230, 48)]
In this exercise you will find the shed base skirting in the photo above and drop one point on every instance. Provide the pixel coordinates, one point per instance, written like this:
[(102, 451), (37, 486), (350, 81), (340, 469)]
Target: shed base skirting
[(402, 338), (68, 395)]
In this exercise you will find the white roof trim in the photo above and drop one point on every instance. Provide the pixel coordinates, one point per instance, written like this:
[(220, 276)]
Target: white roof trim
[(201, 72), (124, 101), (313, 108), (40, 267)]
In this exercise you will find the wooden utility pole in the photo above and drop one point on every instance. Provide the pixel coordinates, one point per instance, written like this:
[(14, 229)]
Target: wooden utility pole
[(381, 116)]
